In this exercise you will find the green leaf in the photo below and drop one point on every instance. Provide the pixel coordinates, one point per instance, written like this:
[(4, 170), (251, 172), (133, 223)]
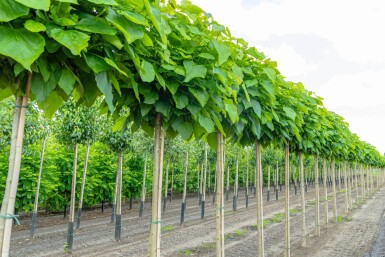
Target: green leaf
[(41, 89), (106, 88), (212, 140), (147, 72), (5, 93), (194, 70), (181, 101), (67, 81), (34, 26), (21, 45), (290, 113), (223, 51), (156, 18), (114, 65), (200, 95), (185, 129), (119, 124), (130, 30), (134, 17), (163, 107), (207, 123), (10, 10), (95, 25), (36, 4), (257, 108), (113, 40), (103, 2), (96, 63), (231, 110), (150, 97), (51, 104), (268, 87), (206, 56), (74, 40), (270, 73)]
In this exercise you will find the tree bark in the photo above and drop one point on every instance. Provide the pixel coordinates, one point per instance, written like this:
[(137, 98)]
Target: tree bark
[(204, 185), (82, 188), (317, 200), (165, 189), (303, 200), (35, 206), (335, 214), (183, 207), (235, 197), (155, 229), (259, 183), (324, 176), (143, 198), (71, 218), (346, 190), (268, 183), (287, 203), (247, 180), (220, 233), (118, 213)]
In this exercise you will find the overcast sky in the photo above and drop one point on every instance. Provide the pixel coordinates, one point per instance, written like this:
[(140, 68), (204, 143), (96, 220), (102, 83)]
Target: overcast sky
[(335, 47)]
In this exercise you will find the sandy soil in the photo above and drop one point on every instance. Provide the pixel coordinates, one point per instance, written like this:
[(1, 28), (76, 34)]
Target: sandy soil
[(353, 237)]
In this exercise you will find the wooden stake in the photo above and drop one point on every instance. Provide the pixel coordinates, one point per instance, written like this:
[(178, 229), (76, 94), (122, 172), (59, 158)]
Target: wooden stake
[(287, 203), (317, 202), (204, 168), (82, 188), (35, 206), (183, 207), (143, 198), (220, 233), (303, 200), (335, 214), (71, 218), (118, 214), (258, 182), (346, 189)]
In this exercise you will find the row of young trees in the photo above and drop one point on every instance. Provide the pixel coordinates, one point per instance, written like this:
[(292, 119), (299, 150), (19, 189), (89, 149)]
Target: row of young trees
[(177, 71)]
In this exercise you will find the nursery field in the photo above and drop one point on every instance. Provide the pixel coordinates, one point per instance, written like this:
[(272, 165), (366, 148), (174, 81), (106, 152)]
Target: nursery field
[(352, 235)]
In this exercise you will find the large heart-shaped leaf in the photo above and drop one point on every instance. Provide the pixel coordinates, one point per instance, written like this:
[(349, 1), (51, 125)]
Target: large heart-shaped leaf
[(10, 10), (130, 30), (74, 40), (194, 70), (36, 4), (200, 95), (290, 113), (21, 45), (185, 129), (223, 51), (207, 123), (96, 25), (147, 72), (106, 88)]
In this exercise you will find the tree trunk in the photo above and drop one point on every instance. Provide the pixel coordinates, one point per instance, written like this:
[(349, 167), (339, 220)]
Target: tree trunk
[(215, 187), (346, 190), (155, 229), (118, 213), (235, 196), (335, 214), (287, 203), (165, 189), (303, 200), (183, 207), (82, 188), (113, 211), (228, 183), (317, 201), (350, 187), (11, 164), (208, 179), (70, 234), (204, 185), (200, 184), (220, 233), (34, 213), (8, 204), (259, 182), (268, 183), (276, 182), (247, 180), (143, 198), (324, 176), (172, 181)]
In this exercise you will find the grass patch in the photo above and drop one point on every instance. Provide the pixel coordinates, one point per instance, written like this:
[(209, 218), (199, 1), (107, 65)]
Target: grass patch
[(340, 218), (208, 245), (188, 252), (294, 211), (167, 228), (277, 218)]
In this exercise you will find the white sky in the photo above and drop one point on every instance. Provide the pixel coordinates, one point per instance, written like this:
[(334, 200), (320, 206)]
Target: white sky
[(335, 47)]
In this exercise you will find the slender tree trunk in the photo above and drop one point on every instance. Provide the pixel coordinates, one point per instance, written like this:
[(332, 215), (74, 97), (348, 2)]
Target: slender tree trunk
[(113, 211), (215, 186), (268, 183), (287, 203), (247, 180), (155, 229), (346, 190), (335, 214), (208, 180), (303, 200), (350, 187), (143, 198), (339, 177), (220, 231), (200, 184), (228, 183), (276, 182), (235, 197), (35, 206), (82, 188), (259, 182), (9, 199), (11, 164), (118, 215), (356, 181), (183, 207), (362, 182), (165, 189), (317, 200), (70, 234), (204, 185), (172, 181)]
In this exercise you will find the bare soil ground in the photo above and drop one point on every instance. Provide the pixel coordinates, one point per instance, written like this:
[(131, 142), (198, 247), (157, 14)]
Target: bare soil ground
[(355, 235)]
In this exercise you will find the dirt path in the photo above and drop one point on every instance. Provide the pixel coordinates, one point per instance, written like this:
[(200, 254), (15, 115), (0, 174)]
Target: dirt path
[(96, 236)]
